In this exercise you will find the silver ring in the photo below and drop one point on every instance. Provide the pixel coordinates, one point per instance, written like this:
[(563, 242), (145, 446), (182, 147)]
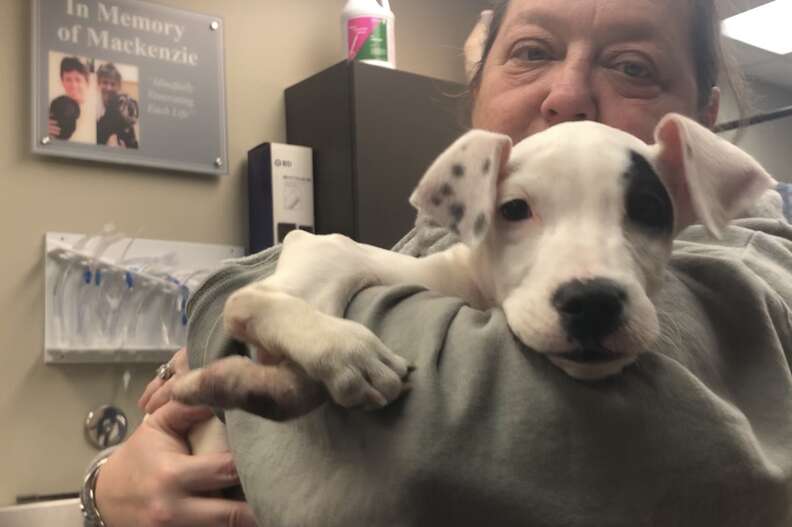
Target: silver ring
[(165, 371)]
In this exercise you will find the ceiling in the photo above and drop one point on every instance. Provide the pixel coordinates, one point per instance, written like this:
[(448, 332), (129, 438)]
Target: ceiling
[(757, 63)]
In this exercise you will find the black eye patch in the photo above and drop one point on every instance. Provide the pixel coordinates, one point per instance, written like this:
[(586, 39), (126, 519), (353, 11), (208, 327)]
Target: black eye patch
[(647, 202)]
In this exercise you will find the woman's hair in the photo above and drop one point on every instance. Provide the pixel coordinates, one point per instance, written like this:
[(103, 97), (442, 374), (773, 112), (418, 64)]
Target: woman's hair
[(108, 70), (710, 55), (73, 64)]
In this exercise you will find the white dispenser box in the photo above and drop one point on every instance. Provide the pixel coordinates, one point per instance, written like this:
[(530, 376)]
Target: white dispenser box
[(280, 193)]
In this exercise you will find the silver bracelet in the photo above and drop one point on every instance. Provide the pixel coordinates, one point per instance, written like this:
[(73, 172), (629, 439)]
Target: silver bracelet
[(88, 495)]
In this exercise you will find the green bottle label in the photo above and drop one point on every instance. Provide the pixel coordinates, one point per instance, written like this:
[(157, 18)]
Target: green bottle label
[(368, 39)]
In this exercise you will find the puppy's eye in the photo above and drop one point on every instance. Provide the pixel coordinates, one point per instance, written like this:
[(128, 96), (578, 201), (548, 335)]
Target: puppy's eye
[(650, 210), (516, 210)]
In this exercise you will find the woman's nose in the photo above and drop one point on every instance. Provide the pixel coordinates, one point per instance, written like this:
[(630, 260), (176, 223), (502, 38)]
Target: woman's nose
[(570, 97)]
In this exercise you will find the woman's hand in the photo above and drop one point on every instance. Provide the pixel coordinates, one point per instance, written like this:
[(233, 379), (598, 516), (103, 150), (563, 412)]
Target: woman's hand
[(158, 391), (152, 480), (53, 129)]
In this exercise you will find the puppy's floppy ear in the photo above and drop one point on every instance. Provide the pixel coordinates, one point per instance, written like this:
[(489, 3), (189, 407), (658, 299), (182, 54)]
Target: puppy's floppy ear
[(460, 188), (710, 180)]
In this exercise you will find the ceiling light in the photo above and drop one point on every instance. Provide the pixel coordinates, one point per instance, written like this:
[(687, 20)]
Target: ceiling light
[(766, 27)]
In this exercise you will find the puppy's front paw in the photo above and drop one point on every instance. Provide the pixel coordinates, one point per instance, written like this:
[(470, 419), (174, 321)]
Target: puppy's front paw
[(358, 370)]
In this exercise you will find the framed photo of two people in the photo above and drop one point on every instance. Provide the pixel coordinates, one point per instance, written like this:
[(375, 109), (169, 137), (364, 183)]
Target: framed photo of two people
[(127, 81)]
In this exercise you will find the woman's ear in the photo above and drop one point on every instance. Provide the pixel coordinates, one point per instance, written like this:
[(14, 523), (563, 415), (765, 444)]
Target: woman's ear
[(474, 45), (709, 114)]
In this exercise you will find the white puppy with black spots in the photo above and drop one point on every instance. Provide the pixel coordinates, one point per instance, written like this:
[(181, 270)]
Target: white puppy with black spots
[(568, 232)]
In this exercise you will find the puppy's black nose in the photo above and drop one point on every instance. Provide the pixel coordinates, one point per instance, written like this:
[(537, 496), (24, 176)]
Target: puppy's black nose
[(590, 309)]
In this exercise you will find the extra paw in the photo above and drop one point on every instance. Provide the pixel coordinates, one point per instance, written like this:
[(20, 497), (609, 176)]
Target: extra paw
[(274, 392), (219, 384), (358, 370)]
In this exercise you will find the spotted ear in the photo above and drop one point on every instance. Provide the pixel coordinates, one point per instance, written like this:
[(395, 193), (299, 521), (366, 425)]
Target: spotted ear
[(460, 188), (710, 180)]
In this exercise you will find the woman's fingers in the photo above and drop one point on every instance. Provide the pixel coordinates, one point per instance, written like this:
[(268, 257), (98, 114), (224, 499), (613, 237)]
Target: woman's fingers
[(207, 472), (214, 512), (152, 480), (180, 362), (158, 391), (155, 384), (177, 419), (53, 129), (159, 397)]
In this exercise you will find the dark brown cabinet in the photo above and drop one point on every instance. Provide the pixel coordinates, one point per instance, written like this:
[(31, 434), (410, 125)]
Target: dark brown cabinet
[(374, 132)]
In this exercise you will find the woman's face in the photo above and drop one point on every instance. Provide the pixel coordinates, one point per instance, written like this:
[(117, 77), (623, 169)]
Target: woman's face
[(75, 85), (624, 63)]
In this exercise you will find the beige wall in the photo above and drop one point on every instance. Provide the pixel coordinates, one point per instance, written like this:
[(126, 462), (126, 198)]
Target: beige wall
[(270, 44)]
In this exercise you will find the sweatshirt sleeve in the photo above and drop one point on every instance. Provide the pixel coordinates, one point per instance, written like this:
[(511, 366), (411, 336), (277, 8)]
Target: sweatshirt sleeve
[(697, 432)]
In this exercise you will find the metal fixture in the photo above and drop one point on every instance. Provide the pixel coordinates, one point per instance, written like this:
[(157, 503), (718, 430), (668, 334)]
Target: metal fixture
[(105, 426)]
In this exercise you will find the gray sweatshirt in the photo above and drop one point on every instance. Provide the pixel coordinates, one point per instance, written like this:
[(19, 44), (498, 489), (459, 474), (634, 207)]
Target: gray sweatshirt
[(697, 433)]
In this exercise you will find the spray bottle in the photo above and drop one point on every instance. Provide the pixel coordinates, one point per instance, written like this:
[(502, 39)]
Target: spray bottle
[(368, 29)]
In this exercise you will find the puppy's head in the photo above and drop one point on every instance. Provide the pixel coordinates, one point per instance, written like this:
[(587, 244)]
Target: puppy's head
[(570, 230), (65, 111), (123, 109)]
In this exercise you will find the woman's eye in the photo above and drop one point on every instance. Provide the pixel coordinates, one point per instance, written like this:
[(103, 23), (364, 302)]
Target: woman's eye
[(635, 70), (531, 54), (515, 210)]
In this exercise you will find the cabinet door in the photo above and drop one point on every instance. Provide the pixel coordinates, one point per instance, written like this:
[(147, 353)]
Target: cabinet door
[(319, 115), (402, 123)]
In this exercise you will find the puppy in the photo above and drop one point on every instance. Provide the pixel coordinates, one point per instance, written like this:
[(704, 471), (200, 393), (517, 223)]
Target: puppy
[(65, 111), (121, 114), (568, 232)]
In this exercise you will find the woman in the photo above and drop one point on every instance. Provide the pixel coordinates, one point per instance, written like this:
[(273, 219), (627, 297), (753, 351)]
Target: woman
[(698, 435), (70, 117)]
